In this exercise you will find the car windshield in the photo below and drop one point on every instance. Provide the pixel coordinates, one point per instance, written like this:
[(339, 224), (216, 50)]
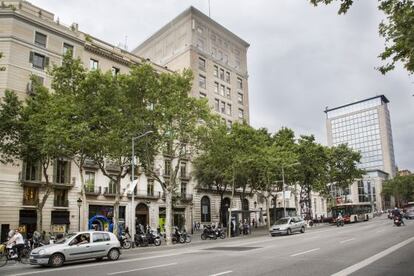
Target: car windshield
[(282, 221), (65, 239)]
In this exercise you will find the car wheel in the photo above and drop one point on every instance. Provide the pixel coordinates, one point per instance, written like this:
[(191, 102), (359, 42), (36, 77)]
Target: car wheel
[(288, 231), (56, 260), (302, 230), (113, 254)]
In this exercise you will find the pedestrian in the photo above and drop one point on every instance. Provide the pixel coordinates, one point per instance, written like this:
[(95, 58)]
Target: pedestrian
[(127, 233)]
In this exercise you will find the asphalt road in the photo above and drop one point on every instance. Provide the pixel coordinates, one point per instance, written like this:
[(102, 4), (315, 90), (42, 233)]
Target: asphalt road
[(369, 248)]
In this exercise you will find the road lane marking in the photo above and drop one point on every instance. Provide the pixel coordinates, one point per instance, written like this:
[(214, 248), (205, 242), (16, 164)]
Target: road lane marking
[(142, 268), (370, 260), (222, 273), (304, 252), (347, 240)]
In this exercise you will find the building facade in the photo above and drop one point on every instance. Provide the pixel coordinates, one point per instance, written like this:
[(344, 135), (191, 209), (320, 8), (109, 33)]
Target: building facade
[(365, 126)]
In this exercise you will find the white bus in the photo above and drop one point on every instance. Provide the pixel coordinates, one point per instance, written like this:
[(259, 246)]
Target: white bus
[(353, 212)]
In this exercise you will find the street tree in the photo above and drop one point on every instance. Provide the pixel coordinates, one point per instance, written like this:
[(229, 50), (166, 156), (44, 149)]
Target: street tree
[(397, 29), (181, 124), (401, 188)]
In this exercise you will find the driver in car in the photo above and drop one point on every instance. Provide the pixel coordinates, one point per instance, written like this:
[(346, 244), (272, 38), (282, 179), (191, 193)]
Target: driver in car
[(83, 240)]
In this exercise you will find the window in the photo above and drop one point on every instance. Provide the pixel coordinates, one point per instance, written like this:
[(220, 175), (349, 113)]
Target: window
[(112, 186), (222, 88), (167, 167), (241, 113), (30, 195), (205, 209), (32, 171), (62, 171), (215, 71), (239, 83), (221, 74), (38, 60), (229, 109), (93, 64), (183, 188), (202, 81), (201, 64), (115, 71), (150, 187), (223, 107), (67, 48), (229, 124), (101, 237), (228, 93), (183, 169), (61, 198), (40, 39), (240, 98), (216, 105), (216, 87), (202, 95), (90, 182), (227, 77)]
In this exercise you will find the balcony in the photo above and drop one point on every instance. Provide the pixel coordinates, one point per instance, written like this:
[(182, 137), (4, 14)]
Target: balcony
[(186, 197), (30, 201), (112, 166), (109, 192), (67, 185), (143, 194), (93, 191), (90, 164), (60, 203)]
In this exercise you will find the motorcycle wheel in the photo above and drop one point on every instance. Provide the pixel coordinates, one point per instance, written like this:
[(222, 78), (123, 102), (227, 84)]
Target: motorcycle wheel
[(126, 245), (203, 236), (182, 239), (222, 235), (214, 237), (157, 242), (188, 239)]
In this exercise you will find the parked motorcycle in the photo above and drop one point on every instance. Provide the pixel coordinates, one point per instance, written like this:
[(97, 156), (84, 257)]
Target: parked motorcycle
[(140, 239), (220, 232), (125, 242), (187, 236), (208, 233), (153, 237)]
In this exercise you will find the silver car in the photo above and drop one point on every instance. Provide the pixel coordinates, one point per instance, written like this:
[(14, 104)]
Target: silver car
[(287, 226), (77, 246)]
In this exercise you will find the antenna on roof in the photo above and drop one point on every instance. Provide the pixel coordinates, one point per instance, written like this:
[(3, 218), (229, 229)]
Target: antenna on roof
[(209, 12)]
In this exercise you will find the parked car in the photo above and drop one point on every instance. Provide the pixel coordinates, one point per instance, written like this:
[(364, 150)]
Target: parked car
[(288, 225), (409, 213), (78, 246)]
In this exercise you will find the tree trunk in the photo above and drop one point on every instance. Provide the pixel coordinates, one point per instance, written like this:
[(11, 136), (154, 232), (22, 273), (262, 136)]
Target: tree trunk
[(115, 219), (168, 215), (268, 212), (41, 203), (39, 226), (84, 221)]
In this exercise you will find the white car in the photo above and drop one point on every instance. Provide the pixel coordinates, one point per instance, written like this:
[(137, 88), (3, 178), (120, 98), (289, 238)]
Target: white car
[(78, 246), (287, 226)]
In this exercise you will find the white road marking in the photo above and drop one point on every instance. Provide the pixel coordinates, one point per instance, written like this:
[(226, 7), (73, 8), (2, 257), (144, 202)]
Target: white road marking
[(304, 252), (347, 240), (142, 268), (222, 273), (372, 259)]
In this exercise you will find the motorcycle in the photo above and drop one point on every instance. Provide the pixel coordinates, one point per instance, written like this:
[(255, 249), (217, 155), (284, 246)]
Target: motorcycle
[(140, 239), (208, 232), (219, 232), (397, 221), (125, 242), (339, 222), (153, 237), (187, 236)]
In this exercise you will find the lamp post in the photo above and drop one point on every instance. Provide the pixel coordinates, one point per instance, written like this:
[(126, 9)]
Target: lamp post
[(283, 180), (79, 201), (255, 213), (136, 182)]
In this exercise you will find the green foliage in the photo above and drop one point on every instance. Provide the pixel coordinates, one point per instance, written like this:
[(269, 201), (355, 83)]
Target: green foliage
[(397, 29), (401, 187)]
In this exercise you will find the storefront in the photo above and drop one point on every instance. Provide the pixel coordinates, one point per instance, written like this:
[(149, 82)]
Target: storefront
[(60, 222), (106, 211), (178, 217), (27, 221)]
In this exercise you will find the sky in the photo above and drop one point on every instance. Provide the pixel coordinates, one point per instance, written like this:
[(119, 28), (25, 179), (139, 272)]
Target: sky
[(301, 59)]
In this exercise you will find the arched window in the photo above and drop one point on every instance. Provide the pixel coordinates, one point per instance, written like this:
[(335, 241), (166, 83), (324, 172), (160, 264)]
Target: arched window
[(205, 209)]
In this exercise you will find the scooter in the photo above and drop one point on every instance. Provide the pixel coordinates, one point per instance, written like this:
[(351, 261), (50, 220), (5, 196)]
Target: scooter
[(140, 239), (219, 233), (125, 242), (153, 237), (397, 221), (209, 233), (340, 222)]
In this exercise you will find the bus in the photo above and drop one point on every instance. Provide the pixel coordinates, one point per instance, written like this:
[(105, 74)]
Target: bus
[(353, 212)]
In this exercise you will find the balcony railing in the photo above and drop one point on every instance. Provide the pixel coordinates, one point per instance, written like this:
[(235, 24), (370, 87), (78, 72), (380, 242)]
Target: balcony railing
[(92, 190), (30, 202), (109, 192), (61, 203), (147, 195)]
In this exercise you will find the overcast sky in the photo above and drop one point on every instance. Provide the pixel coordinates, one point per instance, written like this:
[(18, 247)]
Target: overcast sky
[(301, 59)]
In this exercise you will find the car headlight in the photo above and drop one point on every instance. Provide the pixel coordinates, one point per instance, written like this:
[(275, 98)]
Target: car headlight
[(42, 252)]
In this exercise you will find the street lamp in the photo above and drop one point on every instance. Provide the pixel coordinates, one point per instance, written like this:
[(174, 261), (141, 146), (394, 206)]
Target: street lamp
[(255, 213), (133, 185), (283, 180), (79, 201)]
